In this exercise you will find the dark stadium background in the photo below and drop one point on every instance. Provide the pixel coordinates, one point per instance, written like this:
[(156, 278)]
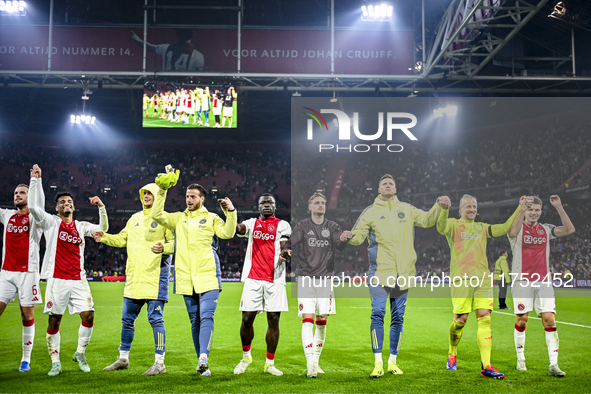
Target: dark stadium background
[(118, 156)]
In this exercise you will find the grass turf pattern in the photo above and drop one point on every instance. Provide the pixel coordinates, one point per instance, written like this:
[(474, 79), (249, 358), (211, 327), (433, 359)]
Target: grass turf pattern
[(347, 358)]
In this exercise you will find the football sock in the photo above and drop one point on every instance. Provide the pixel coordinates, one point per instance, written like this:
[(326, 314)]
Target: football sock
[(246, 351), (53, 344), (124, 354), (159, 358), (270, 358), (319, 338), (223, 121), (230, 124), (84, 334), (308, 339), (552, 342), (203, 357), (378, 357), (455, 334), (392, 359), (519, 337), (28, 339), (484, 335)]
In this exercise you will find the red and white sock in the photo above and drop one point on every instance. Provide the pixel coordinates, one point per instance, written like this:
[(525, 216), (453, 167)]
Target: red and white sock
[(270, 358), (53, 344), (552, 342), (28, 339), (319, 338), (84, 334), (519, 337), (246, 351), (308, 340)]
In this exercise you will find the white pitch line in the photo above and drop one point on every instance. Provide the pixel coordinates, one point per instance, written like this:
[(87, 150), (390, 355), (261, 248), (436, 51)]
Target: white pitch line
[(537, 318)]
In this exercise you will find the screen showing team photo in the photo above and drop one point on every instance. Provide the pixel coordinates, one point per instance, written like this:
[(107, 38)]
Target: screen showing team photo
[(167, 104)]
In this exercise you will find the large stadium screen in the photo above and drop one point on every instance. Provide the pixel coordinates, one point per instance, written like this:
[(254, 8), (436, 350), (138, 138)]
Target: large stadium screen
[(200, 105)]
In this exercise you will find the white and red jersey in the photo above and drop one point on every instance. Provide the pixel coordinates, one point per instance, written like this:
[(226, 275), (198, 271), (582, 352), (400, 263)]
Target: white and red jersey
[(264, 247), (531, 250), (20, 250), (64, 250)]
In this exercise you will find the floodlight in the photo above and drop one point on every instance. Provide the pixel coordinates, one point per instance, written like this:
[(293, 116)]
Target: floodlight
[(450, 110), (377, 12), (82, 119), (14, 7)]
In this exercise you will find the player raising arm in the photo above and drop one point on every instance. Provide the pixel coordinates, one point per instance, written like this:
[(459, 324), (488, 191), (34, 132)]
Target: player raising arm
[(467, 244), (532, 289), (20, 266), (63, 267), (197, 265), (388, 224)]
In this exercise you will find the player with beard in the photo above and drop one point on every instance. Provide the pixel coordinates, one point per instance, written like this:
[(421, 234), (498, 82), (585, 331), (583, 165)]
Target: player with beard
[(20, 266), (197, 265), (63, 267), (312, 248), (532, 289), (264, 280)]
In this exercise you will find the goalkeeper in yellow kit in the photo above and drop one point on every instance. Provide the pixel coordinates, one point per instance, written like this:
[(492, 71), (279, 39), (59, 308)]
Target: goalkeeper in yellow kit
[(474, 291)]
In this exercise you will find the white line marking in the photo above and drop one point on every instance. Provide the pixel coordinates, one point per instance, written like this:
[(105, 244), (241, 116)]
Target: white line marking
[(537, 318)]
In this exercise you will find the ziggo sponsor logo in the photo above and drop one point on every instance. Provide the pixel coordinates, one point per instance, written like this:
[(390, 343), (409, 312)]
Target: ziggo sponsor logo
[(465, 235), (319, 243), (64, 236), (528, 239), (264, 236), (11, 228)]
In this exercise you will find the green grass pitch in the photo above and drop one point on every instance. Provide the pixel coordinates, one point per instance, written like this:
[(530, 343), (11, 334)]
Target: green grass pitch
[(347, 358), (155, 121)]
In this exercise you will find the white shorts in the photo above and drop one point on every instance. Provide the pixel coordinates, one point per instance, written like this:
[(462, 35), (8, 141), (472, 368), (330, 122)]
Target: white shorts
[(180, 109), (315, 297), (23, 284), (262, 296), (75, 294), (228, 111), (190, 110), (527, 298), (217, 111)]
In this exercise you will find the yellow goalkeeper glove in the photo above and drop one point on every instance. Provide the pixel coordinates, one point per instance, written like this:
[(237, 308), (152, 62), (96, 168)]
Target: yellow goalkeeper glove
[(166, 181)]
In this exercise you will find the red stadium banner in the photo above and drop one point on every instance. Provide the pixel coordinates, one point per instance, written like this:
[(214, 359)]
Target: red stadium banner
[(262, 51)]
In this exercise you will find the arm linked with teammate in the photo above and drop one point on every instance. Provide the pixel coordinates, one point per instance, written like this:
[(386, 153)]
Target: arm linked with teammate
[(442, 220), (360, 230), (426, 219), (496, 230), (228, 229), (523, 206)]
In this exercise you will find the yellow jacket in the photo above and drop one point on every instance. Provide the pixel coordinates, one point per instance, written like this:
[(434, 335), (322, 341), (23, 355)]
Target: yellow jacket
[(197, 266), (389, 227), (147, 273), (501, 267)]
